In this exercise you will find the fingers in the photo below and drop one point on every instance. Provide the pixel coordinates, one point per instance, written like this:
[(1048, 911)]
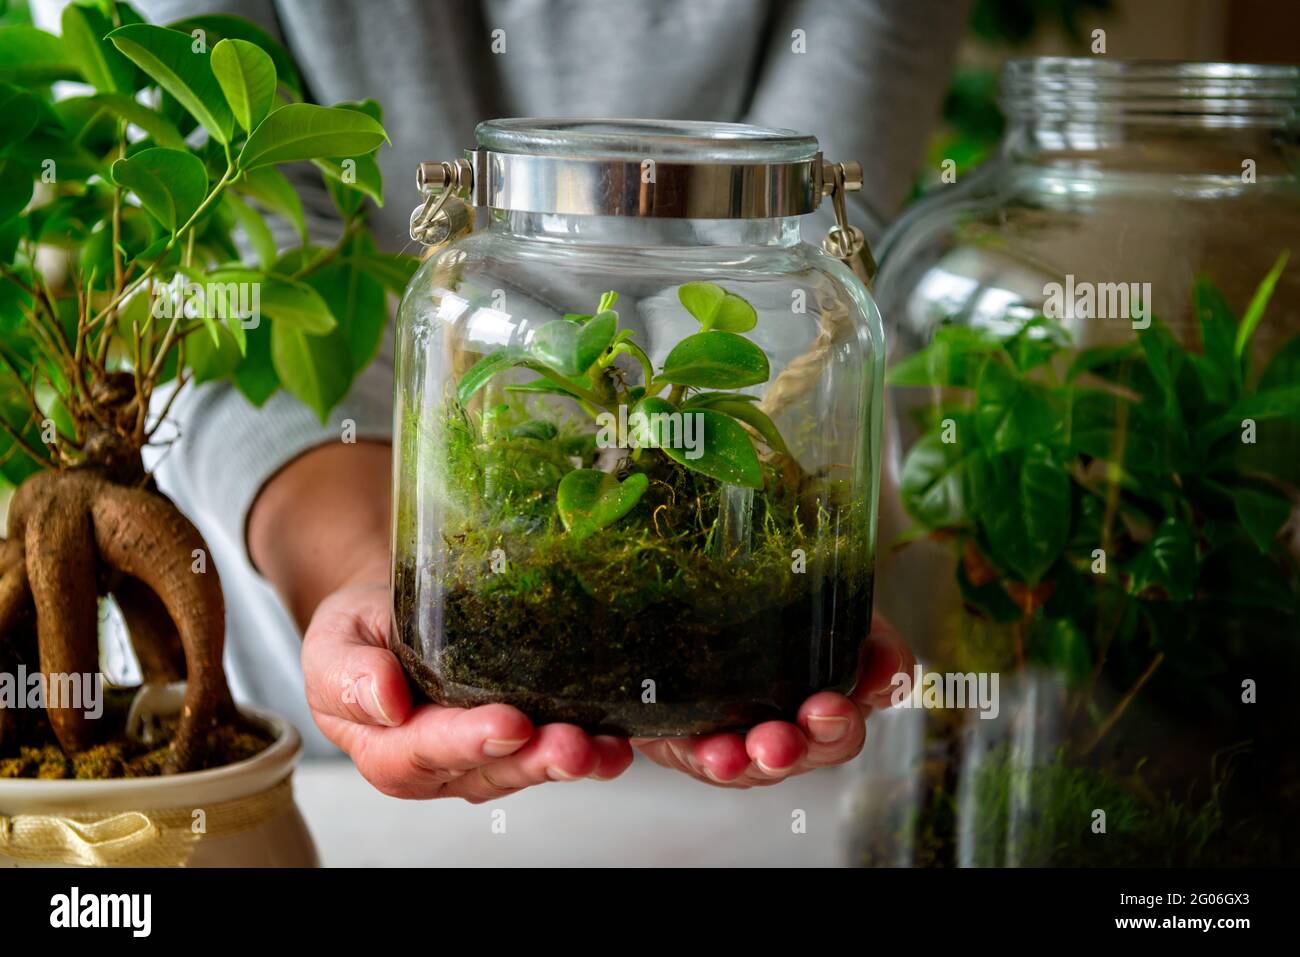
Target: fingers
[(478, 753), (435, 746), (884, 655), (557, 752), (834, 727), (360, 699), (829, 727), (349, 671)]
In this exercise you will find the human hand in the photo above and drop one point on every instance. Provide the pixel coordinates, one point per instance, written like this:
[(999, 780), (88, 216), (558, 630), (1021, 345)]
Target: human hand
[(359, 698), (830, 728)]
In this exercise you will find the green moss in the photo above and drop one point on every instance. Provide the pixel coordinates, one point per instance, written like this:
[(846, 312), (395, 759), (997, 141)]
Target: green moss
[(734, 621)]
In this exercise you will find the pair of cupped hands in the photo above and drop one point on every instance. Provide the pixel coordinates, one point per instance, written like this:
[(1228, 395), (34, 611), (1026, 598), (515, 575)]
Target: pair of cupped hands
[(359, 698)]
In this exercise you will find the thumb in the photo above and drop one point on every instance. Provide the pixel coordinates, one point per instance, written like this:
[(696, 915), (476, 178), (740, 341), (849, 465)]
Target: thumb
[(349, 671)]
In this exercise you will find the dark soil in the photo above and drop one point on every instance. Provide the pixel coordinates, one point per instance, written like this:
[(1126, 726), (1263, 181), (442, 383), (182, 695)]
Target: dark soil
[(580, 660)]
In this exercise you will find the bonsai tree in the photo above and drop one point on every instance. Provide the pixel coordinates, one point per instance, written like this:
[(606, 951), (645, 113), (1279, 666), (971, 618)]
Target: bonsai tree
[(1117, 516), (120, 279)]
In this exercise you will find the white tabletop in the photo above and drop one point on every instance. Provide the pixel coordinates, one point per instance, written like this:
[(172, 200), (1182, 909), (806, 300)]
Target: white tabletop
[(648, 817)]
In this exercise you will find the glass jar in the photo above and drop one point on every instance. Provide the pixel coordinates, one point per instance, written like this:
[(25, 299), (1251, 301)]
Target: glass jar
[(638, 421), (1090, 479)]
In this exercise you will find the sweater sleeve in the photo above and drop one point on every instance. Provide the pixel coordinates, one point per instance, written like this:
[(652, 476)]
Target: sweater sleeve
[(867, 77)]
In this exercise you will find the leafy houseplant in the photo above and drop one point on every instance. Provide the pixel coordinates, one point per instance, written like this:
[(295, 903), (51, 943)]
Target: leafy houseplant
[(1118, 516), (654, 562), (119, 277)]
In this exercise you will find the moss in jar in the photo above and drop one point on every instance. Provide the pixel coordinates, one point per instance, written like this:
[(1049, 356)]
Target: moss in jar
[(618, 570)]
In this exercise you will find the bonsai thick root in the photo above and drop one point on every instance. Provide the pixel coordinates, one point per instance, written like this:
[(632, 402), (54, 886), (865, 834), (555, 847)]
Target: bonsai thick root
[(75, 535)]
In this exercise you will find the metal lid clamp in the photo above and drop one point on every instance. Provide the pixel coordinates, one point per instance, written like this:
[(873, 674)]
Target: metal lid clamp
[(588, 187), (444, 215), (844, 241)]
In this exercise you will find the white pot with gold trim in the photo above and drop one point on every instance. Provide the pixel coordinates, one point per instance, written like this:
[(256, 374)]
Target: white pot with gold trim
[(239, 815)]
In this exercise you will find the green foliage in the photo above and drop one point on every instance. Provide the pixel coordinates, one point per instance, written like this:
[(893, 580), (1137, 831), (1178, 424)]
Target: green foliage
[(1107, 504), (146, 201), (246, 75), (577, 356), (588, 499)]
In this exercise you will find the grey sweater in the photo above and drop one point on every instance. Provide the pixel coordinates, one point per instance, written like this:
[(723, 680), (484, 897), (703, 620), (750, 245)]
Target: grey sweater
[(868, 86)]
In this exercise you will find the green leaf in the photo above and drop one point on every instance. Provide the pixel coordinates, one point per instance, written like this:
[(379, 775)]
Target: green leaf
[(298, 306), (359, 173), (1281, 402), (304, 131), (1220, 373), (953, 358), (247, 78), (222, 26), (15, 189), (1168, 562), (357, 301), (209, 362), (394, 270), (315, 369), (34, 57), (19, 114), (1284, 369), (259, 234), (706, 399), (347, 200), (931, 483), (1036, 342), (715, 308), (169, 57), (1258, 303), (1061, 645), (570, 348), (171, 184), (137, 114), (702, 440), (716, 360), (272, 190), (492, 364), (589, 500), (104, 68), (1026, 512), (256, 377), (1102, 359), (538, 429), (758, 420), (1010, 412), (1262, 514)]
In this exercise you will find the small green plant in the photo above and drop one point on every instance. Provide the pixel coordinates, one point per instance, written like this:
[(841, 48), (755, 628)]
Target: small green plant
[(119, 276), (576, 357)]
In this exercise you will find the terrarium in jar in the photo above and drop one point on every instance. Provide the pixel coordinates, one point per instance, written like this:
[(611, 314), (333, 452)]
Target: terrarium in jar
[(637, 424), (1091, 478)]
